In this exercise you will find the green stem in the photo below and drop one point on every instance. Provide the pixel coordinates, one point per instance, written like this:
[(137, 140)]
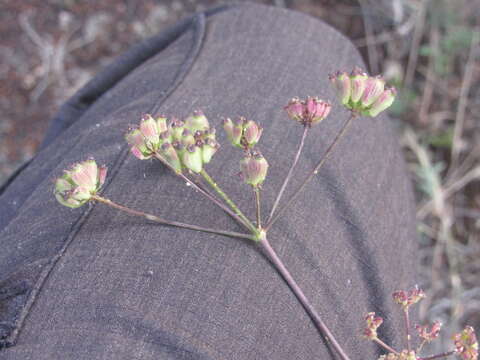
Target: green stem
[(208, 195), (169, 222), (256, 190), (229, 201)]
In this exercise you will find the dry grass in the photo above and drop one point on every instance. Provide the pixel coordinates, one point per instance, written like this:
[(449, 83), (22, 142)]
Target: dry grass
[(429, 49)]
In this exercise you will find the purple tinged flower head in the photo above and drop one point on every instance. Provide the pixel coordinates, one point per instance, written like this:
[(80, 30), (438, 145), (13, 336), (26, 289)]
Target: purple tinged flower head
[(242, 133), (363, 94), (197, 121), (309, 111), (429, 335), (408, 298), (466, 344), (373, 322), (176, 128), (254, 169), (77, 185)]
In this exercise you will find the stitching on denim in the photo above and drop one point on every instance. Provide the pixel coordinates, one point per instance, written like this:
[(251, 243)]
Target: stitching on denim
[(197, 25)]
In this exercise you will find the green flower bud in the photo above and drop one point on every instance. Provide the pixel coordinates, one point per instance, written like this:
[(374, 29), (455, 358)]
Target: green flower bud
[(192, 158), (254, 169), (168, 152), (138, 146), (187, 138), (197, 121), (209, 148), (162, 125), (176, 128), (234, 132)]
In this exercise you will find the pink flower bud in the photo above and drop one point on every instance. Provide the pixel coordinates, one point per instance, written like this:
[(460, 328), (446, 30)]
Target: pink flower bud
[(77, 185), (137, 144), (374, 88), (294, 109), (251, 134), (373, 322), (254, 169), (149, 130), (197, 121), (466, 344), (427, 335)]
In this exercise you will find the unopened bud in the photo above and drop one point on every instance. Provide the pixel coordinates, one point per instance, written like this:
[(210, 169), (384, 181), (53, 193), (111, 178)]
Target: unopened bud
[(197, 121), (254, 169), (209, 148), (138, 145), (192, 158), (384, 101), (233, 131), (176, 128), (149, 130), (168, 152), (162, 124)]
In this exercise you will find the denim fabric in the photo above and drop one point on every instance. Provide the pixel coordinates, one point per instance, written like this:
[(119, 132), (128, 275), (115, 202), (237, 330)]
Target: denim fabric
[(94, 283)]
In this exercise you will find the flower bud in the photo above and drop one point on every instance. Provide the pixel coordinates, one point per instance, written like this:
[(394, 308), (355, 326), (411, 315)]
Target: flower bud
[(187, 138), (162, 125), (294, 109), (233, 131), (384, 101), (343, 85), (373, 322), (192, 158), (359, 83), (466, 344), (138, 147), (149, 130), (209, 148), (431, 335), (251, 133), (374, 88), (254, 169), (176, 128), (77, 185), (168, 152), (197, 121)]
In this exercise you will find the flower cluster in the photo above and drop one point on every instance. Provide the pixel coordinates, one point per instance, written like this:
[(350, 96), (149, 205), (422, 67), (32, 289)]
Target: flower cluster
[(361, 93), (408, 298), (431, 335), (188, 144), (373, 322), (466, 344), (242, 133), (308, 112), (79, 184)]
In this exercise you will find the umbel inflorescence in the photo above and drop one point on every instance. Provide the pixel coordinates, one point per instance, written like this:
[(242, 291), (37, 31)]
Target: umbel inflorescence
[(187, 146)]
